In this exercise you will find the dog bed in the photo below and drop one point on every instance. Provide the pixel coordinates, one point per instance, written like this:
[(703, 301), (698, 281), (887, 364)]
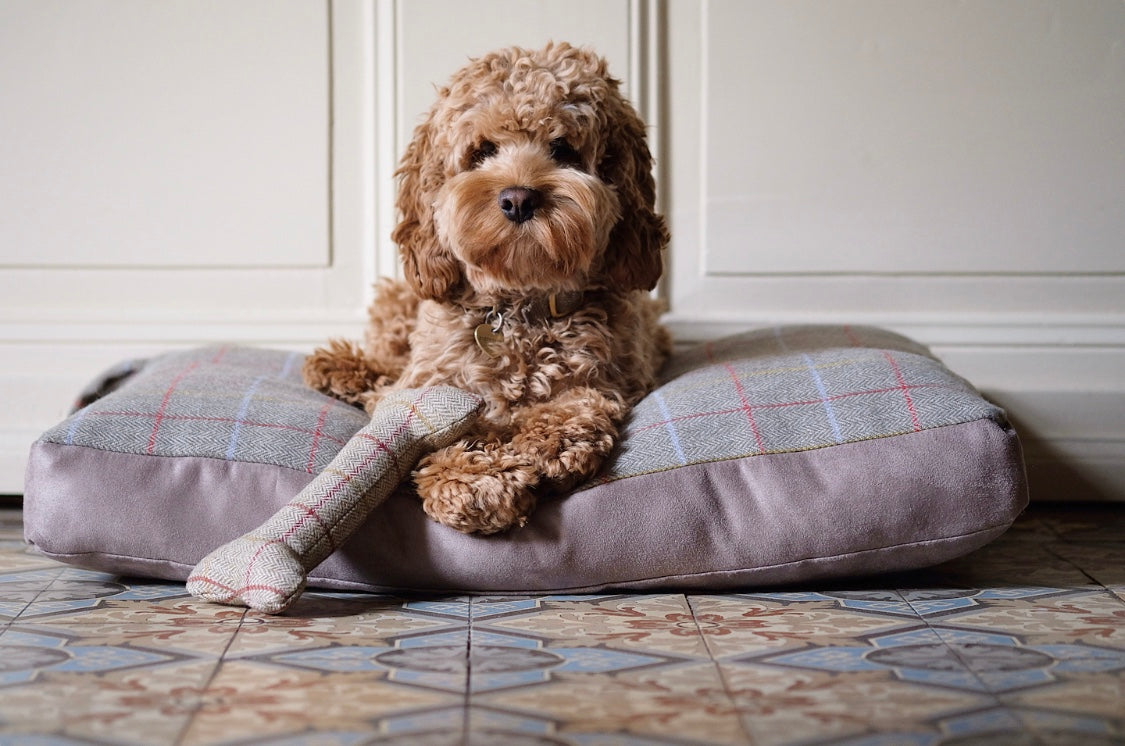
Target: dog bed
[(773, 457)]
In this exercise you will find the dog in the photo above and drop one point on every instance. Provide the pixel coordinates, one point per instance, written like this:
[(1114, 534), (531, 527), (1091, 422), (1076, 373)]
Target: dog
[(529, 242)]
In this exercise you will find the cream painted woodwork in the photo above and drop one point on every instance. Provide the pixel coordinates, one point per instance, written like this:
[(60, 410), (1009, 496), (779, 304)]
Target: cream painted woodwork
[(196, 171)]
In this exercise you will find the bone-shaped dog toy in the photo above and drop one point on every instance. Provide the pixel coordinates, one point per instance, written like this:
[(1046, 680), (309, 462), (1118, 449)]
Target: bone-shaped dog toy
[(267, 568)]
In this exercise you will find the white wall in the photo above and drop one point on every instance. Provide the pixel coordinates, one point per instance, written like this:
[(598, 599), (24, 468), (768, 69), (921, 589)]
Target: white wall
[(183, 172)]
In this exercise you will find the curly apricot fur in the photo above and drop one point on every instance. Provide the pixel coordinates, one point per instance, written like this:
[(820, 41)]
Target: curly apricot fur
[(552, 121)]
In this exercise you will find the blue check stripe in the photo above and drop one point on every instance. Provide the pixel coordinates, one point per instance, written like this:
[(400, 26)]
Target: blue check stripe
[(243, 408), (290, 362), (823, 391), (74, 423), (670, 426)]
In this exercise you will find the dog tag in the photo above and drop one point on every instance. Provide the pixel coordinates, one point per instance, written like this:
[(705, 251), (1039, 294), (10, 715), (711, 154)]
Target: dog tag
[(488, 339)]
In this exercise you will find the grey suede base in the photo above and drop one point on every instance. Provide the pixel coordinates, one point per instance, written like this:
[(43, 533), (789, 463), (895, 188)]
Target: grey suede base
[(872, 506)]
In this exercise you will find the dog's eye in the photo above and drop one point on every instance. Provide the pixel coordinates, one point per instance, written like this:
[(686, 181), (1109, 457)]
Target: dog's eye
[(484, 151), (565, 155)]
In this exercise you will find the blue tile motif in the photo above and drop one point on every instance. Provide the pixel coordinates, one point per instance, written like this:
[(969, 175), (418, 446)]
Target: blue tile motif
[(956, 658), (26, 655)]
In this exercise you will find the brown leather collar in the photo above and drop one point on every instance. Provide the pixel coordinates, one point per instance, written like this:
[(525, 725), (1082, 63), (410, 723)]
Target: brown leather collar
[(532, 310), (553, 306), (489, 334)]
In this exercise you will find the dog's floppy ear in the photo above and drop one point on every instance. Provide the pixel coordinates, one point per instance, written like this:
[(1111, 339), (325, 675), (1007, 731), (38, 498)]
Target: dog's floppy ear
[(633, 260), (430, 269)]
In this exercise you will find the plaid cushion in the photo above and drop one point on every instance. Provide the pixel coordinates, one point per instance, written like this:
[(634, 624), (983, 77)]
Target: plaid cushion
[(767, 391), (781, 455), (788, 389), (232, 403)]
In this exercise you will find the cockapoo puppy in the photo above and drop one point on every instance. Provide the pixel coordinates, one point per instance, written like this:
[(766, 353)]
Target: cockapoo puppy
[(529, 241)]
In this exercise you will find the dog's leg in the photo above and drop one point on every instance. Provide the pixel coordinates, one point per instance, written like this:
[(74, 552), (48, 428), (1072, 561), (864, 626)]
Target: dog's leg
[(343, 371), (476, 487), (392, 317), (347, 371), (490, 486), (567, 439)]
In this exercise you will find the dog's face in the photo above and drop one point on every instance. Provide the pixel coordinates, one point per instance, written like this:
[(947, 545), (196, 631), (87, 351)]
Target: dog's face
[(530, 173)]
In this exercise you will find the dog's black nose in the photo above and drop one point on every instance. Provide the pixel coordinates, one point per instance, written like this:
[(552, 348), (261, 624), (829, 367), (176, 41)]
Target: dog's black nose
[(519, 203)]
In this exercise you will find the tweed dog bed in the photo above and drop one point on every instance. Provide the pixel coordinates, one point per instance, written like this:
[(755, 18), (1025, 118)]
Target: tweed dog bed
[(775, 456)]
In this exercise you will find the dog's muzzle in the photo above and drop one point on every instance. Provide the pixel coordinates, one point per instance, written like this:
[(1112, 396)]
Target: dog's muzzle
[(519, 203)]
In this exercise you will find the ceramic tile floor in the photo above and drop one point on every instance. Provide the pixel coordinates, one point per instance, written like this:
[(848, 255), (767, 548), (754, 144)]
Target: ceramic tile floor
[(1021, 642)]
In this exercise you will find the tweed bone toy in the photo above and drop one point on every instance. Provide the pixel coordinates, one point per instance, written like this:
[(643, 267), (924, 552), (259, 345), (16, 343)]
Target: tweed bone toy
[(267, 568)]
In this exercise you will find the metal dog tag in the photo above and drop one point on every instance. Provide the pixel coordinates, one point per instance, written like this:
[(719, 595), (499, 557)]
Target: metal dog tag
[(488, 339)]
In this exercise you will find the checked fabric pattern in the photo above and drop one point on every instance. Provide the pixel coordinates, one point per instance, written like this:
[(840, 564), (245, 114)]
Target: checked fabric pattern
[(791, 388), (267, 568), (749, 448), (232, 403)]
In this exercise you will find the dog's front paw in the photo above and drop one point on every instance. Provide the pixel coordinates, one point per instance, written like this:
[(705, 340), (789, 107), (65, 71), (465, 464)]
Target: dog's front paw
[(342, 371), (475, 490), (568, 438)]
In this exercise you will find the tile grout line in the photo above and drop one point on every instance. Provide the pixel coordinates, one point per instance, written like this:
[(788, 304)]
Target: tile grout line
[(995, 696), (27, 605), (38, 594), (466, 720), (210, 680), (1049, 547), (718, 670)]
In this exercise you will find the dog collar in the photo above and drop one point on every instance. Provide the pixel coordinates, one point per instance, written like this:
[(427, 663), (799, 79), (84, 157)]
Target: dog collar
[(554, 306), (489, 335)]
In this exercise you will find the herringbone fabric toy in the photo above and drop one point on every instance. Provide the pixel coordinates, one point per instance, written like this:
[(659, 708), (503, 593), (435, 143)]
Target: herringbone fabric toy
[(267, 568)]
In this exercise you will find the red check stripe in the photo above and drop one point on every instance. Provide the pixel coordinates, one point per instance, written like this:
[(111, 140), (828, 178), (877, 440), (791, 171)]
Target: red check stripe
[(317, 436), (800, 403), (905, 390), (746, 407), (164, 404), (380, 447), (231, 420), (250, 570), (235, 592), (312, 511)]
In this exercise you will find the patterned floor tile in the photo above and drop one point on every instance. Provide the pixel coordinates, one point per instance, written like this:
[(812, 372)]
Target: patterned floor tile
[(1086, 524), (19, 589), (860, 704), (144, 707), (917, 655), (1034, 526), (606, 669), (11, 524), (84, 597), (749, 624), (1086, 703), (16, 557), (501, 662), (181, 637), (1008, 564), (431, 662), (62, 685), (1092, 617), (324, 619), (251, 701), (663, 623), (1103, 562), (681, 704), (1020, 642)]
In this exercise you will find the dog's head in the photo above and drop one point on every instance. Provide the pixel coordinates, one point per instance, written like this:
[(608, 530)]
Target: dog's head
[(530, 172)]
